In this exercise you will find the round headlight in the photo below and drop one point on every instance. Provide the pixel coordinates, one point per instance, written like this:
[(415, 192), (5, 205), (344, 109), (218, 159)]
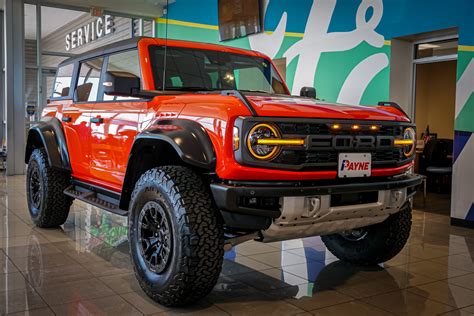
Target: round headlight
[(261, 151), (409, 134)]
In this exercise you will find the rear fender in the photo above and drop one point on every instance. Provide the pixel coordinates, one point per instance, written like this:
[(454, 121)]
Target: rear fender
[(48, 134)]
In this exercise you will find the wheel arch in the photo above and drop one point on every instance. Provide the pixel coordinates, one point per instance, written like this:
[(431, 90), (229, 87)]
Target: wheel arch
[(48, 134), (167, 142)]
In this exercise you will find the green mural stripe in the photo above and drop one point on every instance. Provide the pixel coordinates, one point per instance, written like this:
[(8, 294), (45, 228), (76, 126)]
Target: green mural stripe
[(377, 91), (334, 67), (464, 57), (465, 120)]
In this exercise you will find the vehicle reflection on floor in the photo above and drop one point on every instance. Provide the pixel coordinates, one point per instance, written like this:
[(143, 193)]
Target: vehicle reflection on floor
[(84, 267)]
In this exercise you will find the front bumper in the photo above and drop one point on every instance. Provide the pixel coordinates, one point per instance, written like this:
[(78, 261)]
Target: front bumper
[(229, 196)]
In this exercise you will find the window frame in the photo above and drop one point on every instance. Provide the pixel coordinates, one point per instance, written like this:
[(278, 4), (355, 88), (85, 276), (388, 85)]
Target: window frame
[(101, 80), (105, 64), (104, 70), (72, 85)]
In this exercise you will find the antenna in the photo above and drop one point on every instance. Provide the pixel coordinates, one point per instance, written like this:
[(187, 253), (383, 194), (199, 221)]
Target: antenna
[(166, 45)]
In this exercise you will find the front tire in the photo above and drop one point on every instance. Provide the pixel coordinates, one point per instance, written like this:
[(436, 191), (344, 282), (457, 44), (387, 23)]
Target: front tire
[(373, 244), (176, 237), (48, 205)]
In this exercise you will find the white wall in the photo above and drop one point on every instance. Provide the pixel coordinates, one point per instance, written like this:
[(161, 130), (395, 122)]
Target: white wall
[(401, 74)]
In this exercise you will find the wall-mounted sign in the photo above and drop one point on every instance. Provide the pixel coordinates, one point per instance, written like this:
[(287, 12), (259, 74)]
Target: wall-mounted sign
[(90, 32)]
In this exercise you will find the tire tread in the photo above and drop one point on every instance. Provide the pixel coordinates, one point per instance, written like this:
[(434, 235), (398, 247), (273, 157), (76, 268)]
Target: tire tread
[(201, 235)]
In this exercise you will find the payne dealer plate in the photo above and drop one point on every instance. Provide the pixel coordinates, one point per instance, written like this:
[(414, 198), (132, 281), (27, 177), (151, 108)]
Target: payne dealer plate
[(354, 165)]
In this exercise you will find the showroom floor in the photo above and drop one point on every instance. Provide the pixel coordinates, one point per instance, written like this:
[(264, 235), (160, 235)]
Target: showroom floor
[(84, 269)]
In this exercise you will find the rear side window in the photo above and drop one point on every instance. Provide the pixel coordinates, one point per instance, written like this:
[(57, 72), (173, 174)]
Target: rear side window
[(125, 62), (89, 78), (62, 83)]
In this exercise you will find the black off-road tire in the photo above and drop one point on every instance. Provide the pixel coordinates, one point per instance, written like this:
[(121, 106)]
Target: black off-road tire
[(51, 208), (197, 237), (381, 242)]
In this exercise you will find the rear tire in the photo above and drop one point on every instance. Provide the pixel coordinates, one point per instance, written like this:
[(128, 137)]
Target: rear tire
[(373, 244), (176, 237), (48, 205)]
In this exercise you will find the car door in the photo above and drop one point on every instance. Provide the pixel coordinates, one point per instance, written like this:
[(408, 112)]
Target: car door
[(75, 119), (114, 125)]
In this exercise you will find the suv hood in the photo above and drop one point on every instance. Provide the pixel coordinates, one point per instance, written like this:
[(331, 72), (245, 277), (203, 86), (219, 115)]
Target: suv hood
[(282, 106)]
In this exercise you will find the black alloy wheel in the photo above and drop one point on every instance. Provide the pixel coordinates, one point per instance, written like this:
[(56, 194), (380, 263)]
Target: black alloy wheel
[(155, 236), (35, 188)]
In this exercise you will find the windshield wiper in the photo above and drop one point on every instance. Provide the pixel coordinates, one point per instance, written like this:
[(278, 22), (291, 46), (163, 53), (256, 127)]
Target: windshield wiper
[(257, 91), (190, 89)]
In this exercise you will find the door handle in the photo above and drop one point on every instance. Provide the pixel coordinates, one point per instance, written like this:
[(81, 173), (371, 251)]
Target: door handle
[(97, 120), (66, 119)]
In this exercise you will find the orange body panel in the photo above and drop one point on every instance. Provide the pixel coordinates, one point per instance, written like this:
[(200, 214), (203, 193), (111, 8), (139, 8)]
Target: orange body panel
[(99, 152)]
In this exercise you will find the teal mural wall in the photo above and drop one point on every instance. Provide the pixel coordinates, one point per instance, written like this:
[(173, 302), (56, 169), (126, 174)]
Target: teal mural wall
[(342, 48)]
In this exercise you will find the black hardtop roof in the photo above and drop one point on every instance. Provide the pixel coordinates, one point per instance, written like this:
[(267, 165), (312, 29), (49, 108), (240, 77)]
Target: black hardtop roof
[(104, 50)]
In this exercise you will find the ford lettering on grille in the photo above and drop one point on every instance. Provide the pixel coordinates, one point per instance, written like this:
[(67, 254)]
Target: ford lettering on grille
[(345, 142)]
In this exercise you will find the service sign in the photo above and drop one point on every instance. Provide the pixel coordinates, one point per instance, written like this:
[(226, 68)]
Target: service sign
[(90, 32)]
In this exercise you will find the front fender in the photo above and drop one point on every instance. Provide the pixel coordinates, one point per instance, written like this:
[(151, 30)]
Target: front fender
[(188, 138), (170, 142)]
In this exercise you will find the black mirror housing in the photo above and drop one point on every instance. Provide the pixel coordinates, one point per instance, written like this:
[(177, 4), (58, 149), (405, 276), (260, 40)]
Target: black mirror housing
[(120, 83), (308, 92)]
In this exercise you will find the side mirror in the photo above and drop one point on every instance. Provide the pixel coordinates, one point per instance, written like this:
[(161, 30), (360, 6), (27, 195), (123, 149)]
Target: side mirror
[(120, 83), (308, 92)]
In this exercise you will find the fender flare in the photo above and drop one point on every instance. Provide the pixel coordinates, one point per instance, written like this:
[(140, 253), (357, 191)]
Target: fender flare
[(48, 133), (188, 139)]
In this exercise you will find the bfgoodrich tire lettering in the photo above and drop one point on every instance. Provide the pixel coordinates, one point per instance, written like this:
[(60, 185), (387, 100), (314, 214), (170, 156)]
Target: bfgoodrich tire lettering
[(48, 205), (196, 254), (380, 243)]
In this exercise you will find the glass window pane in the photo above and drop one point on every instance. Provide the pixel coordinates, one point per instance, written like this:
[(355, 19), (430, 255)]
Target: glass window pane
[(212, 70), (125, 62), (62, 83), (89, 78)]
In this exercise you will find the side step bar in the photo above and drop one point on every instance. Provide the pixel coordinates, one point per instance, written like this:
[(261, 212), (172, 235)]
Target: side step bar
[(95, 198)]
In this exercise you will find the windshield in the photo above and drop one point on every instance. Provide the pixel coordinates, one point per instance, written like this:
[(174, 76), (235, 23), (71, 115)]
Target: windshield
[(195, 69)]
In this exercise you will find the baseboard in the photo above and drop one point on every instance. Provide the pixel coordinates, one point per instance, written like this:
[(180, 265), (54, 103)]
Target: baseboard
[(462, 222)]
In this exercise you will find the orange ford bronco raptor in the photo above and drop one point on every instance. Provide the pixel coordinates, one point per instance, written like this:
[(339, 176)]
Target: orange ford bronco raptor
[(203, 147)]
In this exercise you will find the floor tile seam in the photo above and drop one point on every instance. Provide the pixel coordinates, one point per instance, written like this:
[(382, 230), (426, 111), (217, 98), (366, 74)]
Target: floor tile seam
[(314, 260), (360, 298), (95, 298), (79, 299), (222, 310), (416, 294), (307, 261), (443, 279), (259, 253), (289, 301), (433, 299), (458, 285), (120, 294), (271, 268), (446, 265), (352, 300)]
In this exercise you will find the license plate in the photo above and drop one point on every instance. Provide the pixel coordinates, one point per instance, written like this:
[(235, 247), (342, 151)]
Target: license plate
[(353, 165)]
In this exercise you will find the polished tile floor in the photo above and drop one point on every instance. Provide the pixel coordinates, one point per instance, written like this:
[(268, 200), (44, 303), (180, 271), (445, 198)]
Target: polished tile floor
[(83, 268)]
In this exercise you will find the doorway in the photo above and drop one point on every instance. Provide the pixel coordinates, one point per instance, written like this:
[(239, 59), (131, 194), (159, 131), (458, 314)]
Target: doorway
[(434, 97)]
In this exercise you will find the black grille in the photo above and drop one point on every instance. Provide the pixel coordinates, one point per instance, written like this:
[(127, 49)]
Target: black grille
[(324, 145), (303, 128)]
